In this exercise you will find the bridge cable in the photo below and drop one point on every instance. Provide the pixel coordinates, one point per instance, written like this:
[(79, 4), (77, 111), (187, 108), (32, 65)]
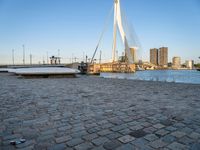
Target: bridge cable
[(104, 30)]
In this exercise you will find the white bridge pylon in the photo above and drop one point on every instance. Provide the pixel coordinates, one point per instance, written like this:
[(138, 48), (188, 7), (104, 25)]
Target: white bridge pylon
[(118, 25)]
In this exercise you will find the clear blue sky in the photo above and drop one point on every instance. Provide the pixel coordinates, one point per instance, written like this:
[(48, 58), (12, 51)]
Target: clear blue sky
[(74, 27)]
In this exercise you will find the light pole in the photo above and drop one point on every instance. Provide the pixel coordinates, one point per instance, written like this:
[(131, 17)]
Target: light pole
[(13, 57), (31, 59), (23, 54), (47, 58)]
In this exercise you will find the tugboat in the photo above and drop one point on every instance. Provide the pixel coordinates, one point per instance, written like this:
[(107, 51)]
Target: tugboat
[(83, 67)]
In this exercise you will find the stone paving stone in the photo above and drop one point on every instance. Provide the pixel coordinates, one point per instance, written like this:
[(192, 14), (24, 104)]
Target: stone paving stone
[(171, 128), (158, 126), (99, 148), (47, 132), (177, 146), (84, 146), (161, 132), (91, 125), (11, 137), (93, 130), (133, 123), (195, 146), (45, 137), (79, 134), (107, 125), (7, 147), (127, 119), (102, 122), (146, 124), (136, 127), (138, 133), (186, 130), (141, 142), (186, 140), (125, 131), (58, 147), (64, 128), (157, 144), (179, 125), (99, 141), (194, 135), (119, 127), (126, 139), (104, 132), (150, 129), (169, 138), (63, 139), (31, 147), (90, 137), (74, 142), (126, 147), (167, 122), (151, 137), (113, 144), (116, 121), (44, 145), (178, 134), (113, 135)]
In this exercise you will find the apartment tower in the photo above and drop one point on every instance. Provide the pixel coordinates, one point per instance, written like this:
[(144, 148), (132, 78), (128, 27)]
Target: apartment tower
[(163, 57), (154, 56)]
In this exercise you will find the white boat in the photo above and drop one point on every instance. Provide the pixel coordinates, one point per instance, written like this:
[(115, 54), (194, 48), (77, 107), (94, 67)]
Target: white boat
[(45, 72), (4, 69)]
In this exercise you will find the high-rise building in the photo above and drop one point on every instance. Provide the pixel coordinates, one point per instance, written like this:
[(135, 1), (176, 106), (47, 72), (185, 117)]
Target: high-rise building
[(176, 62), (163, 57), (154, 56), (133, 54), (189, 64)]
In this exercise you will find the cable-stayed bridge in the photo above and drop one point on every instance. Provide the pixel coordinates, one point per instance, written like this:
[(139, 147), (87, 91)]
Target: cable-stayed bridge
[(129, 40)]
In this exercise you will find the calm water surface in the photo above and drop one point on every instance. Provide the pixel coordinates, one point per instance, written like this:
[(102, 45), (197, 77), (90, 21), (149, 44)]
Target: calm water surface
[(178, 76)]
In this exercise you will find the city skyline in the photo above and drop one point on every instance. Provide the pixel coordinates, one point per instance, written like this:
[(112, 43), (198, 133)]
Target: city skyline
[(51, 25)]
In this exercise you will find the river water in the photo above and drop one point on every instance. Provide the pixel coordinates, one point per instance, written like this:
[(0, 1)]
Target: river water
[(177, 76)]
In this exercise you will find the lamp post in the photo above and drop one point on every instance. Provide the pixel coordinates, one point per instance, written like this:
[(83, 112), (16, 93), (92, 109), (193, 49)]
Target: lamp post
[(13, 57)]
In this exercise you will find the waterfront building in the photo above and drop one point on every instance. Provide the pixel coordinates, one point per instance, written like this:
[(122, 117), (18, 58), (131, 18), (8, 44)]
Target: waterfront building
[(154, 56), (176, 62), (163, 57), (190, 64)]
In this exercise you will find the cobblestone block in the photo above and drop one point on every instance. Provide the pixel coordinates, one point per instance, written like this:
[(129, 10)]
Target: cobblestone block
[(100, 141), (84, 146), (104, 132), (90, 137), (194, 135), (177, 146), (74, 142), (58, 147), (151, 137), (178, 134), (63, 139), (111, 145), (158, 126), (126, 139), (126, 147), (157, 144), (161, 132)]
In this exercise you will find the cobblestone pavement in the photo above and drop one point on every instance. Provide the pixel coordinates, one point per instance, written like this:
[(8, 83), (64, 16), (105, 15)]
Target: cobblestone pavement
[(100, 114)]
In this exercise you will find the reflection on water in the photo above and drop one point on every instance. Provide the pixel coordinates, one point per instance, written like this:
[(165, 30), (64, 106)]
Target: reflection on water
[(178, 76)]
